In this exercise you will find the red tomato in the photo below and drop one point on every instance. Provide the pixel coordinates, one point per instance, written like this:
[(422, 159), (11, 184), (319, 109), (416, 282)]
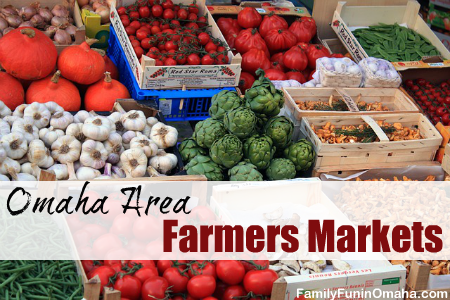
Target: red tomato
[(147, 43), (221, 59), (201, 286), (177, 281), (234, 291), (337, 55), (182, 14), (111, 262), (153, 52), (168, 14), (207, 60), (210, 298), (210, 46), (170, 62), (204, 38), (163, 265), (260, 281), (202, 22), (170, 45), (122, 11), (175, 23), (249, 17), (246, 81), (250, 39), (220, 289), (135, 24), (295, 58), (104, 273), (273, 74), (143, 263), (167, 4), (254, 60), (304, 29), (135, 43), (145, 273), (276, 66), (130, 30), (117, 267), (141, 34), (192, 26), (144, 12), (125, 22), (280, 39), (193, 8), (157, 11), (89, 265), (230, 271), (154, 288), (202, 268), (193, 59), (106, 242), (228, 25), (180, 58), (315, 52), (134, 15), (272, 21), (295, 75), (192, 17)]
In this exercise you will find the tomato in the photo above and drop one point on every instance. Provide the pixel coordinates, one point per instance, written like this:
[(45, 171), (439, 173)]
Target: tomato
[(337, 55), (295, 58), (204, 38), (117, 267), (221, 59), (157, 11), (441, 111), (162, 265), (202, 268), (220, 289), (210, 46), (295, 75), (170, 62), (249, 17), (104, 273), (201, 286), (207, 60), (260, 281), (168, 14), (154, 288), (315, 52), (254, 60), (167, 4), (193, 59), (141, 34), (135, 24), (230, 271), (193, 8), (153, 52), (125, 22), (421, 81), (272, 21), (135, 43), (177, 281), (130, 30), (202, 22), (304, 29), (250, 39), (202, 214), (182, 14), (447, 100), (89, 265), (273, 74), (446, 119), (210, 298), (246, 81), (228, 25), (170, 45), (234, 291), (122, 11), (192, 17), (192, 26), (279, 39), (134, 15), (144, 12)]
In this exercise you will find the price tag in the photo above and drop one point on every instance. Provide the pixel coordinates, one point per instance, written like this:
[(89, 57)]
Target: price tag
[(165, 106), (352, 106), (374, 125)]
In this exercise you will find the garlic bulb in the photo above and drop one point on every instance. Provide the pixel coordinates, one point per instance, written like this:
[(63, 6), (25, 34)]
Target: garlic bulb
[(97, 128), (22, 160), (4, 128), (147, 130), (49, 135), (30, 168), (86, 173), (21, 176), (10, 119), (18, 112), (163, 162), (54, 107), (61, 171), (76, 130), (66, 149), (134, 120), (26, 128), (3, 155), (127, 137), (39, 154), (115, 118), (93, 154), (61, 120), (152, 121), (7, 164), (4, 178), (142, 142), (4, 110), (164, 136), (113, 146), (81, 116), (134, 162), (39, 113), (118, 172), (15, 145)]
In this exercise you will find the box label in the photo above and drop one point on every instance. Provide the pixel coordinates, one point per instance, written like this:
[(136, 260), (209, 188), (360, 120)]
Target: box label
[(348, 39), (388, 281), (165, 106)]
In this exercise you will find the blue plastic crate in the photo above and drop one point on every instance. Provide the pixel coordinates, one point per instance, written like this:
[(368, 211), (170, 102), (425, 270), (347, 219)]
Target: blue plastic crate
[(176, 105)]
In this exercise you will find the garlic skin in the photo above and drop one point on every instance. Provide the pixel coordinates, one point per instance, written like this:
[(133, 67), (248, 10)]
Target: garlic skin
[(66, 149), (81, 116), (61, 120), (54, 107), (18, 112), (97, 128), (3, 154), (86, 173), (127, 137), (76, 130), (134, 120), (10, 119), (9, 163), (115, 118), (142, 142), (93, 154), (4, 110), (39, 113), (113, 146), (15, 145), (39, 154), (5, 128), (27, 128), (134, 162), (50, 135), (163, 162), (61, 171), (164, 136)]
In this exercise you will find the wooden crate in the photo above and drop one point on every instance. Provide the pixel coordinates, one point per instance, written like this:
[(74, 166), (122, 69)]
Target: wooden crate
[(417, 281), (396, 100), (446, 159), (384, 151)]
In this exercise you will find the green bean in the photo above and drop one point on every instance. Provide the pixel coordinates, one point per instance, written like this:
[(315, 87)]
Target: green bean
[(18, 269), (11, 278)]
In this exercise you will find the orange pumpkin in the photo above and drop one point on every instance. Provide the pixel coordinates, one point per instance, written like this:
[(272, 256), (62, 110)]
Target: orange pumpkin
[(111, 68), (56, 89), (11, 91), (81, 64), (27, 53), (102, 95)]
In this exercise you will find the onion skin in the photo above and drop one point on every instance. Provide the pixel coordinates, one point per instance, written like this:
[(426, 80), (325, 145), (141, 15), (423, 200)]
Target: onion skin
[(50, 31), (7, 30), (9, 10), (27, 12), (60, 11), (59, 21), (3, 24), (46, 14), (14, 21), (103, 12), (71, 30), (26, 24), (37, 21), (62, 37)]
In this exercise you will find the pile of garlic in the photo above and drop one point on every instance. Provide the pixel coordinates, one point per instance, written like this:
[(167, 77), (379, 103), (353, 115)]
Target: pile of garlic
[(85, 146)]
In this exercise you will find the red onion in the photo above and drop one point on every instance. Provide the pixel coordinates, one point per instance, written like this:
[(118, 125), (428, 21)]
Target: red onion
[(97, 4), (60, 11), (46, 14), (59, 21), (103, 12), (27, 12), (88, 7), (7, 30), (50, 31), (3, 24), (26, 24), (37, 21), (62, 37), (71, 30), (14, 20), (83, 2), (8, 10)]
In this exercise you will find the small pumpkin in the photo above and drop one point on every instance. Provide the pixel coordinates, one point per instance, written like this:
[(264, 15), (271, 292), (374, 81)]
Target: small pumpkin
[(81, 64), (27, 53), (109, 65), (11, 91), (102, 95), (56, 89)]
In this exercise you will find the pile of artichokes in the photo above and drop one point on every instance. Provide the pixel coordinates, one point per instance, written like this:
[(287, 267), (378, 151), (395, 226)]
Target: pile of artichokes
[(245, 139)]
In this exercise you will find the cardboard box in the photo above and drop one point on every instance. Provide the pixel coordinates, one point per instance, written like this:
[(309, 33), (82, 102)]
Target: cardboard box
[(347, 17), (289, 13), (419, 280), (177, 77), (93, 26)]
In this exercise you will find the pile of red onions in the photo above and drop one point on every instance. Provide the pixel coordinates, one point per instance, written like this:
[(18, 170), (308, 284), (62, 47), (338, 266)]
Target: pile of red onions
[(100, 7), (56, 22)]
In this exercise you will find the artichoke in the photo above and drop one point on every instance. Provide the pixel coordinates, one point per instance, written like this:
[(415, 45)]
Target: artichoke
[(190, 149), (240, 121), (259, 150), (245, 171), (263, 98), (203, 165), (226, 151), (301, 154), (208, 131), (223, 102), (281, 168), (280, 130)]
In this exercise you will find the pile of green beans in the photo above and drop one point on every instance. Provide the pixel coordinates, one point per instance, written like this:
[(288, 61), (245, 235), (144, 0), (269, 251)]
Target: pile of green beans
[(37, 279)]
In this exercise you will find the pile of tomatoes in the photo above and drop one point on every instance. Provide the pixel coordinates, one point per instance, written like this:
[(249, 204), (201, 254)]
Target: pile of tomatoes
[(283, 51), (172, 34), (434, 100), (185, 280)]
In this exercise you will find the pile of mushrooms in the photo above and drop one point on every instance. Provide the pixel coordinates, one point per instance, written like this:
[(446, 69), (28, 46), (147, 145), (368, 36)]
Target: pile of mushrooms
[(85, 146)]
